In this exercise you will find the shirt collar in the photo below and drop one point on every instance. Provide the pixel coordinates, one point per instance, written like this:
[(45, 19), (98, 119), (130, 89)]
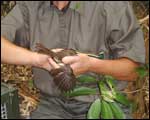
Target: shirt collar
[(63, 10), (75, 5)]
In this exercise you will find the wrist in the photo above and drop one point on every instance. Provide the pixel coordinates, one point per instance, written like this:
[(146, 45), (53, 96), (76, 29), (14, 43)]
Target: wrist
[(91, 64), (33, 59), (94, 64)]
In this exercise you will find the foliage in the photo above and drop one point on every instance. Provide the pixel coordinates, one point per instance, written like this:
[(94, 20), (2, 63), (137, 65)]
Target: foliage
[(6, 6), (142, 71), (108, 104)]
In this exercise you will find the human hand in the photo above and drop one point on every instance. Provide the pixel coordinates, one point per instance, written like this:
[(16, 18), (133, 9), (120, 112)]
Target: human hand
[(80, 63), (63, 77), (44, 61)]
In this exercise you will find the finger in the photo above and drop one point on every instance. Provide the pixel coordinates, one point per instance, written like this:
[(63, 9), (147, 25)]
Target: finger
[(57, 50), (74, 68), (48, 67), (70, 59), (53, 63)]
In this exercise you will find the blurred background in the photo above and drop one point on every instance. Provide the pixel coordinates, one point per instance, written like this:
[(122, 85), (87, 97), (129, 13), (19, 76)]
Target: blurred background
[(21, 76)]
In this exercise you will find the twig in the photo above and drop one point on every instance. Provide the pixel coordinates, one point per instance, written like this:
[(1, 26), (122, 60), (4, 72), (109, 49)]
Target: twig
[(134, 90), (146, 26), (29, 98), (144, 19)]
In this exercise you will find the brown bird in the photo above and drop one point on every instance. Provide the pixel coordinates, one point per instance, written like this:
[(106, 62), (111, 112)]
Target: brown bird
[(63, 76)]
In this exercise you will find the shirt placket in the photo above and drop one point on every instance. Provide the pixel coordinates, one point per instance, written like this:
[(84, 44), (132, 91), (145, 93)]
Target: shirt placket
[(62, 29)]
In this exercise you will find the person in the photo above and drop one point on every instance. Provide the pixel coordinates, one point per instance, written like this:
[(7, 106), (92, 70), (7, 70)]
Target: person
[(86, 26), (13, 54)]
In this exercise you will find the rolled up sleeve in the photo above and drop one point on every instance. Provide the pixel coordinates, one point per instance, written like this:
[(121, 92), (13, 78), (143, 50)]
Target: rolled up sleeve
[(124, 36)]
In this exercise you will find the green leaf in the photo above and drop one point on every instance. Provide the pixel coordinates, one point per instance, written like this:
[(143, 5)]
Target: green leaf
[(121, 98), (101, 55), (81, 91), (142, 71), (106, 94), (117, 111), (102, 86), (110, 81), (94, 110), (86, 78), (107, 98), (106, 112)]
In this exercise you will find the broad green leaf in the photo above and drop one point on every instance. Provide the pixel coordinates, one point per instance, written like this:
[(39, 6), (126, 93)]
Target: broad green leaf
[(81, 91), (86, 78), (121, 98), (106, 112), (117, 111), (110, 81), (94, 110), (105, 93), (107, 98), (102, 87)]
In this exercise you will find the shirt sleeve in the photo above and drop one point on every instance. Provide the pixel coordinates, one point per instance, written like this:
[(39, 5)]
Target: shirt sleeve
[(14, 26), (124, 36)]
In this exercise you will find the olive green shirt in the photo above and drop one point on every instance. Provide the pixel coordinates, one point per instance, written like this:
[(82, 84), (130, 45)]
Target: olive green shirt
[(87, 26)]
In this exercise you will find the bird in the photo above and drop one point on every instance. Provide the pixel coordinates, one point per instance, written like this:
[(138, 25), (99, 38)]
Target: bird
[(63, 76)]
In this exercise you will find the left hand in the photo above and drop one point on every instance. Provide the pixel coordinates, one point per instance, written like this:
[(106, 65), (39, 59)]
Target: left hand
[(80, 63)]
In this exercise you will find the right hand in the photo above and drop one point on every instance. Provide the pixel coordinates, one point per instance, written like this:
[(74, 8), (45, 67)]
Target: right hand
[(44, 61)]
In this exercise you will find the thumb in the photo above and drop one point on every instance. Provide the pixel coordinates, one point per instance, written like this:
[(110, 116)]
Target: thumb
[(70, 59), (53, 63)]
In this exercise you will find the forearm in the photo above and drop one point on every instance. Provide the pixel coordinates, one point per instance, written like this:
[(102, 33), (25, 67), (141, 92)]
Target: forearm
[(13, 54), (121, 69)]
